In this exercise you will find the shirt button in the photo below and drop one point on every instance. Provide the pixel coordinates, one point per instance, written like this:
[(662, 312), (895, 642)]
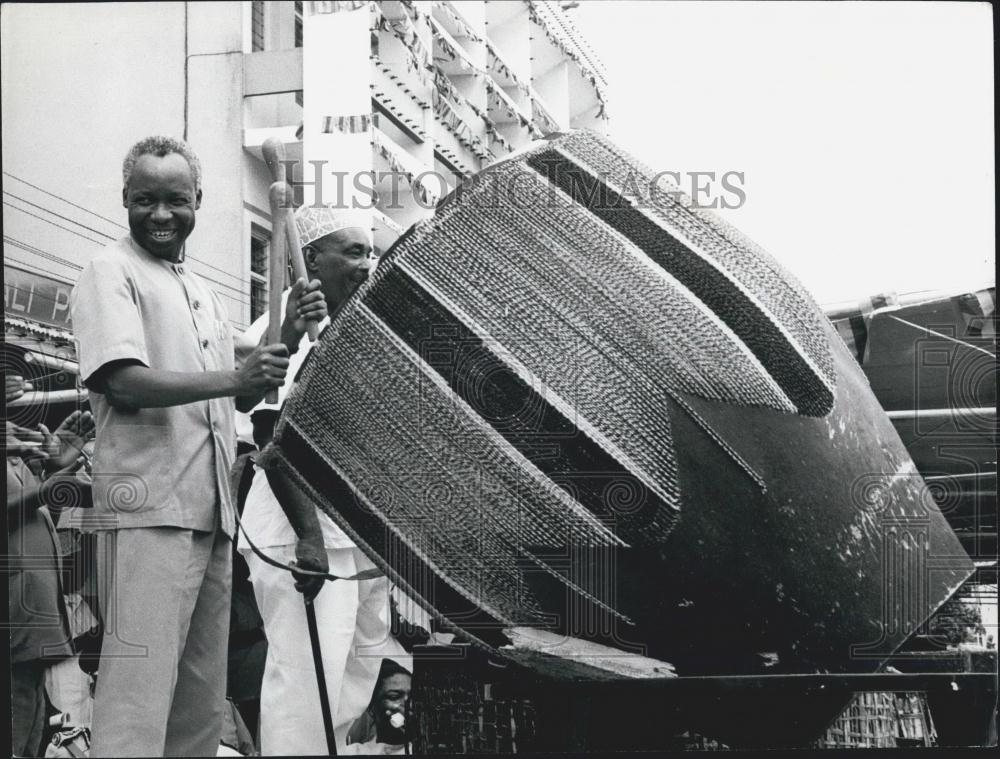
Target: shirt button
[(180, 269), (204, 343), (196, 305)]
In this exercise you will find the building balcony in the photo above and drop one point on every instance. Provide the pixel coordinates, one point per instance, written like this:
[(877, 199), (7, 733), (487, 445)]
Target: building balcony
[(272, 88)]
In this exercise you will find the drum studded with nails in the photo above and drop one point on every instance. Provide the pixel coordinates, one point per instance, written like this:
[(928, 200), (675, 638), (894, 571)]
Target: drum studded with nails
[(573, 402)]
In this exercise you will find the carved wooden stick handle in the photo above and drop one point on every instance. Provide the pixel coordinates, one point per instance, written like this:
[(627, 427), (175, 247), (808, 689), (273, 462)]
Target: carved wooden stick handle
[(276, 270), (274, 157)]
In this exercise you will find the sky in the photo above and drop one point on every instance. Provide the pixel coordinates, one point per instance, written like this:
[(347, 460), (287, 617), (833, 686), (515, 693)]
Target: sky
[(863, 130)]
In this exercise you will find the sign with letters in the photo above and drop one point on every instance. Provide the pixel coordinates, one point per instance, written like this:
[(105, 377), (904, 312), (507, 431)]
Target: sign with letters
[(36, 297)]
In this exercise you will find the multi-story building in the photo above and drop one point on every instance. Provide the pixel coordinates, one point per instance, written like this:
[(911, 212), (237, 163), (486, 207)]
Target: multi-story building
[(381, 105)]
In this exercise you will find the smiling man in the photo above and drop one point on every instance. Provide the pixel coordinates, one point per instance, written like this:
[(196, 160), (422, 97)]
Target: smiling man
[(157, 356), (161, 196)]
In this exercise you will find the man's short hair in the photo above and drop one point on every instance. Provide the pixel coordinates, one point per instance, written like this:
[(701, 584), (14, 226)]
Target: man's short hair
[(160, 146)]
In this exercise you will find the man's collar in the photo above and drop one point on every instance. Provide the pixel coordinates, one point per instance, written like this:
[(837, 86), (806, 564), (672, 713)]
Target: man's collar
[(139, 249)]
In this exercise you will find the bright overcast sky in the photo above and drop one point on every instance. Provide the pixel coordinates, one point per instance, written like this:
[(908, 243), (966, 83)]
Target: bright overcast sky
[(864, 129)]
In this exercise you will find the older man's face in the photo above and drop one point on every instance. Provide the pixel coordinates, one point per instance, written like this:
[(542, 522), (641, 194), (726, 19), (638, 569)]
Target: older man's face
[(341, 261), (161, 200)]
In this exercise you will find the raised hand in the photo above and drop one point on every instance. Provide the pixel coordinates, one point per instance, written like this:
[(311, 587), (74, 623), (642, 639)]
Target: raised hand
[(67, 487), (66, 444), (15, 386), (19, 441), (305, 304)]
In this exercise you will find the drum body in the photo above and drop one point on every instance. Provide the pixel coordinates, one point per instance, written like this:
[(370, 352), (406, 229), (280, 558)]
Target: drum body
[(574, 402)]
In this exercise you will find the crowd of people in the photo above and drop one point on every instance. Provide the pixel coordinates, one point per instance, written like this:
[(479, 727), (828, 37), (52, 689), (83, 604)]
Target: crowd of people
[(142, 495), (46, 471)]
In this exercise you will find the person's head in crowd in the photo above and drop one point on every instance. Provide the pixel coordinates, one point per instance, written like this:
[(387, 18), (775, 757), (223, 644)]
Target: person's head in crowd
[(337, 248), (390, 702), (162, 190), (385, 719)]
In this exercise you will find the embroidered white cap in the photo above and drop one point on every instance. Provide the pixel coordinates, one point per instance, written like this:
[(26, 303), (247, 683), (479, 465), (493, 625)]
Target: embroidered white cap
[(313, 223)]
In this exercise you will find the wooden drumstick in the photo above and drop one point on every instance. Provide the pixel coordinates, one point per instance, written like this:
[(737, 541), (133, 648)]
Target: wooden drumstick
[(276, 271), (274, 156)]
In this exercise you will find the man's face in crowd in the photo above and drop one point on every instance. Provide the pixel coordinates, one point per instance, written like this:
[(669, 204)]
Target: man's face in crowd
[(393, 695), (161, 200), (341, 261)]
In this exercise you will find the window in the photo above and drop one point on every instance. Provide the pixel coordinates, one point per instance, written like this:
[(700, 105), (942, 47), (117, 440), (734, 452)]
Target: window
[(257, 26), (259, 244), (298, 23), (298, 40)]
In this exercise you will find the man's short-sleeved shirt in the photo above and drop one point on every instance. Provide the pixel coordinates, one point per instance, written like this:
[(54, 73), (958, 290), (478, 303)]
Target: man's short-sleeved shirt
[(155, 467)]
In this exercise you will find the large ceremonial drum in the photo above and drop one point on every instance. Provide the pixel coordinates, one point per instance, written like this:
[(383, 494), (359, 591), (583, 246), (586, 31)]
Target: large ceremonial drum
[(574, 405)]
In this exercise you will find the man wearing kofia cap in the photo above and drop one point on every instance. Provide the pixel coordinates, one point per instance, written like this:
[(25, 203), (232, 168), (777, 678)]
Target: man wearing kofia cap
[(352, 616)]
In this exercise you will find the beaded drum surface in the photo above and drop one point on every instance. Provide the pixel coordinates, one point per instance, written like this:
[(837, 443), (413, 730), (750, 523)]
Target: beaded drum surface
[(571, 401)]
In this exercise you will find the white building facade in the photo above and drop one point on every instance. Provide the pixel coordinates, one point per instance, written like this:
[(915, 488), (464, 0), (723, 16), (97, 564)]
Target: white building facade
[(383, 106)]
